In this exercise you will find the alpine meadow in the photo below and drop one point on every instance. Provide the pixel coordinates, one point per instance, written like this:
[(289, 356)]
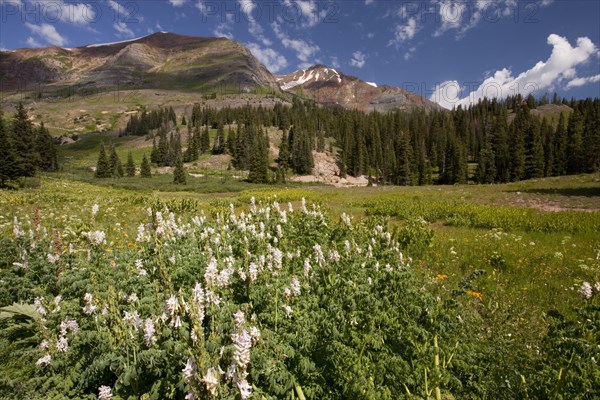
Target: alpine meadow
[(299, 199)]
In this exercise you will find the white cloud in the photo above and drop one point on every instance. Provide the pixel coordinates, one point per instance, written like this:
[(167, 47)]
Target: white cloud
[(358, 59), (31, 42), (306, 11), (582, 81), (127, 14), (409, 53), (123, 30), (404, 32), (69, 12), (268, 57), (177, 3), (369, 2), (335, 62), (463, 16), (544, 75), (304, 51), (47, 33), (247, 7)]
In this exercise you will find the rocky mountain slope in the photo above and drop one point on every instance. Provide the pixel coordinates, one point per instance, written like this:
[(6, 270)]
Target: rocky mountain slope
[(160, 60), (328, 86)]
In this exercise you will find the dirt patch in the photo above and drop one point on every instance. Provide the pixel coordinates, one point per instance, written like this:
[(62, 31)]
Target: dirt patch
[(327, 170)]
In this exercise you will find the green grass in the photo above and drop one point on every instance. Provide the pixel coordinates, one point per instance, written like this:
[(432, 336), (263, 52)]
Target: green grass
[(512, 263)]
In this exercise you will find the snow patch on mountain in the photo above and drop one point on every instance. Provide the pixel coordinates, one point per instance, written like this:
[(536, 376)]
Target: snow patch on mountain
[(371, 83)]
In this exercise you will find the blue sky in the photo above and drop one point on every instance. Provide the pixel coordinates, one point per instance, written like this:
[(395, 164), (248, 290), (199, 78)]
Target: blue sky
[(451, 51)]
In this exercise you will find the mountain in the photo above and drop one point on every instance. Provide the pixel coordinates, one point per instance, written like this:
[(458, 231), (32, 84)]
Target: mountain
[(160, 60), (326, 85), (170, 61)]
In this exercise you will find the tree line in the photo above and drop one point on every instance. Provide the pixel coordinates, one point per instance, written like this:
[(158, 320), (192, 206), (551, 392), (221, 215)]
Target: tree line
[(503, 140), (24, 148)]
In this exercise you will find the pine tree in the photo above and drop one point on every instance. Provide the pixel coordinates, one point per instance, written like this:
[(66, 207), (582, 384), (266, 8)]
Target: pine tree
[(183, 121), (103, 165), (179, 177), (9, 167), (130, 167), (145, 171)]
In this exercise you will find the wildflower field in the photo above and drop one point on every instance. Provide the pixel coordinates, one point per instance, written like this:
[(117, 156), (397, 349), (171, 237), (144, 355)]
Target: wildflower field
[(458, 292)]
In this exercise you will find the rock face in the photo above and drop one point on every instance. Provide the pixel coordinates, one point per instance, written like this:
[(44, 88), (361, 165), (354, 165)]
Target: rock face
[(161, 60), (328, 86)]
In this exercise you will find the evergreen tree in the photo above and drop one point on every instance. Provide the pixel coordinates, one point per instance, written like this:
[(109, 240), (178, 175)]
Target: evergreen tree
[(205, 141), (284, 152), (534, 155), (130, 167), (103, 169), (46, 148), (183, 121), (114, 164), (179, 177), (24, 143), (145, 171), (575, 143), (486, 168), (560, 147), (220, 144), (259, 166), (9, 167)]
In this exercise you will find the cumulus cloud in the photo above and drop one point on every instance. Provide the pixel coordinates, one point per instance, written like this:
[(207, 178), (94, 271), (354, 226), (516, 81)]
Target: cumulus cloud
[(358, 59), (304, 51), (576, 82), (177, 3), (544, 75), (47, 33), (268, 57), (369, 2), (122, 13)]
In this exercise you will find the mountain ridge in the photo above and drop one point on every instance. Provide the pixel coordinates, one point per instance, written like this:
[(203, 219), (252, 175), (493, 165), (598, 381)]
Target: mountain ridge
[(165, 60)]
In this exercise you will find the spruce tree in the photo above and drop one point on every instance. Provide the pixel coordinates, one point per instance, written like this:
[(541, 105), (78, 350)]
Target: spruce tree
[(575, 143), (259, 165), (9, 167), (560, 147), (219, 146), (534, 154), (205, 140), (179, 177), (145, 171), (103, 165), (46, 148), (23, 137), (130, 167), (284, 152), (115, 166)]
